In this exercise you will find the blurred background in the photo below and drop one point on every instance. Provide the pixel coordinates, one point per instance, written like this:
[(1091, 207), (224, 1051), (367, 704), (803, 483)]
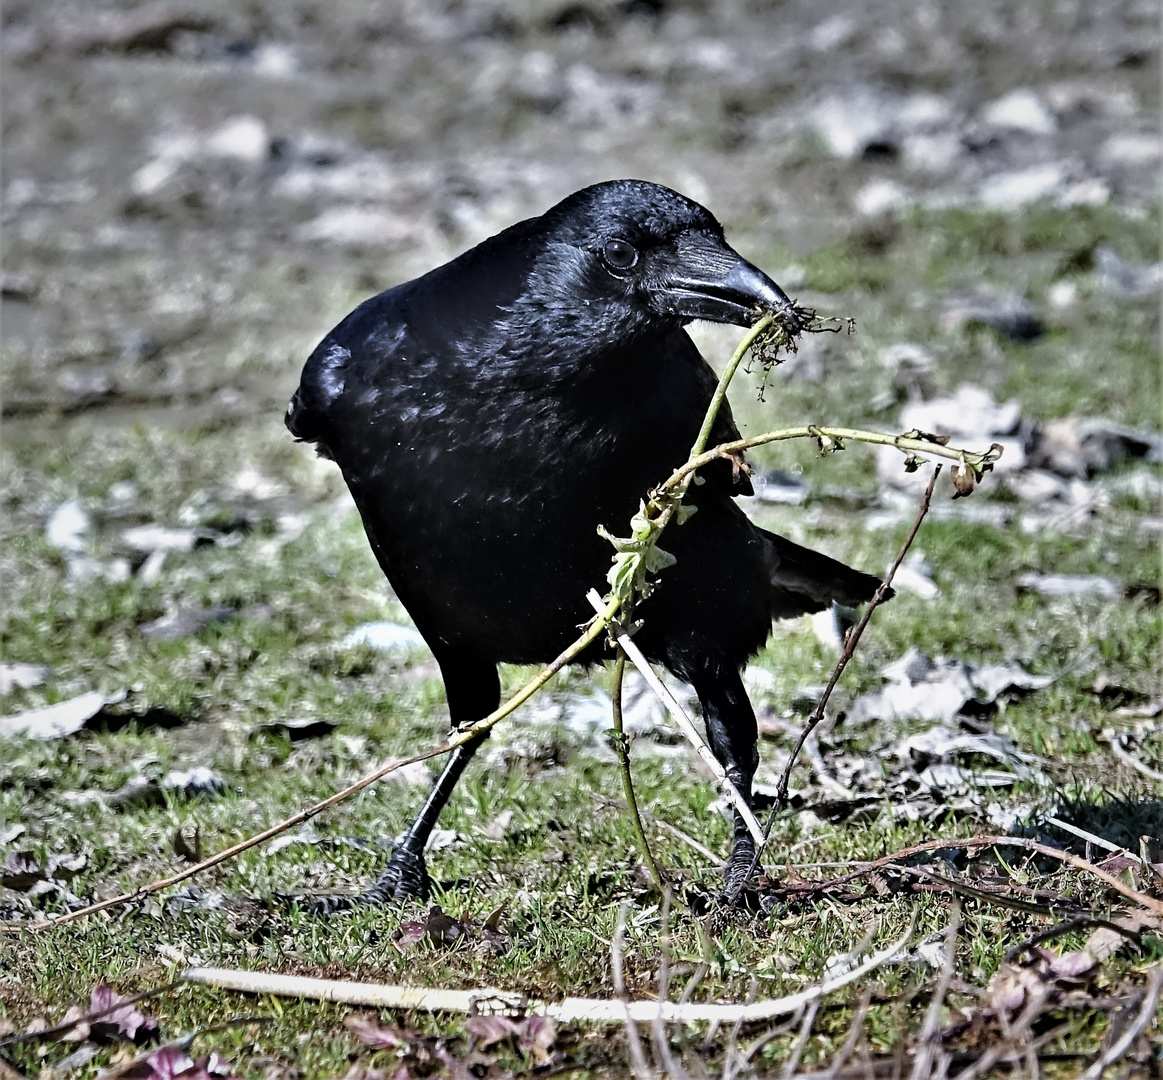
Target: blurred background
[(194, 193)]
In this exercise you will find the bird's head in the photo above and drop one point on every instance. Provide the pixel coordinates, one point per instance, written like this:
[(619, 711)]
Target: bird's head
[(633, 256)]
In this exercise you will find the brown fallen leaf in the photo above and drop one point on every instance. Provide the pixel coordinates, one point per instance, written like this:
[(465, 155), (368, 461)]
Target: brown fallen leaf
[(487, 1030), (537, 1039), (1104, 943), (366, 1027)]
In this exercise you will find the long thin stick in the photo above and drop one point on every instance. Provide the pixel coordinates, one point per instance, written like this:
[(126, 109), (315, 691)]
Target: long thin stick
[(853, 639), (905, 443), (571, 1009), (850, 643), (1115, 1053), (686, 725), (974, 842), (622, 750), (594, 629)]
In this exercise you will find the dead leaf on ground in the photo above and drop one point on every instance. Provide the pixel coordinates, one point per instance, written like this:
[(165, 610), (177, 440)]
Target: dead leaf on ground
[(366, 1027), (488, 1030), (1104, 943)]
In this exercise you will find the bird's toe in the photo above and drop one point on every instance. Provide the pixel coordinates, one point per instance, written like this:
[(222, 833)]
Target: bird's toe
[(405, 877)]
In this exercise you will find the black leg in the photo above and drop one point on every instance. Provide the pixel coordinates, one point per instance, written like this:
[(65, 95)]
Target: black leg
[(733, 735), (473, 690)]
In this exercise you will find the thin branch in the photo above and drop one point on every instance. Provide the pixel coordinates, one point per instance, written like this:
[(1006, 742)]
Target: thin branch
[(855, 1030), (905, 443), (850, 642), (797, 1050), (622, 751), (923, 1060), (1115, 1052), (1142, 899), (853, 639), (686, 725), (1128, 758), (641, 1069)]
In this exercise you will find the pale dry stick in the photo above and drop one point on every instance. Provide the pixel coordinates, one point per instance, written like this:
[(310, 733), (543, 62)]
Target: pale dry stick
[(569, 1010), (855, 1030), (731, 1054), (657, 1029), (686, 725), (1129, 759), (594, 630), (622, 752), (638, 1064), (1092, 838), (1115, 1052), (769, 1036), (798, 1047), (923, 1061)]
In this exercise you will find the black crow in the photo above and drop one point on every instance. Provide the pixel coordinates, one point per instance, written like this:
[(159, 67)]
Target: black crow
[(490, 415)]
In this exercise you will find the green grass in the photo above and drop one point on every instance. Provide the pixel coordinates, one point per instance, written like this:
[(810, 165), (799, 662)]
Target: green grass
[(564, 864)]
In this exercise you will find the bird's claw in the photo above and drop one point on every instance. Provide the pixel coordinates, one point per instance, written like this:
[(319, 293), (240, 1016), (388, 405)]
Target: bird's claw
[(405, 877)]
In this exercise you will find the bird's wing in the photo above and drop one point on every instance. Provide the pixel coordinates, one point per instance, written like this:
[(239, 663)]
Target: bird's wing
[(321, 386), (804, 581)]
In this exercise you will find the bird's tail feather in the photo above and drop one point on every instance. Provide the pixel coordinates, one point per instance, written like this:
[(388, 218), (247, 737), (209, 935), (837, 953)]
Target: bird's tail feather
[(804, 581)]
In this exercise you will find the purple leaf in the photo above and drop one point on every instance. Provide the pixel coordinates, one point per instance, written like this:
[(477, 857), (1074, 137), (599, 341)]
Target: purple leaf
[(537, 1039), (490, 1029), (367, 1028), (124, 1022)]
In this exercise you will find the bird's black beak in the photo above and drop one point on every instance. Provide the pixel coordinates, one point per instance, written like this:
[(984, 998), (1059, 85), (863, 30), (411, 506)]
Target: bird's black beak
[(713, 282)]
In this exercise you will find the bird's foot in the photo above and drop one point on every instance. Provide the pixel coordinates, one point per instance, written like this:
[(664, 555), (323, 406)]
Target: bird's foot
[(405, 876), (740, 869)]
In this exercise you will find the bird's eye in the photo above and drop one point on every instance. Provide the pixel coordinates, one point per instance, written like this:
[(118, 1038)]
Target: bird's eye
[(619, 255)]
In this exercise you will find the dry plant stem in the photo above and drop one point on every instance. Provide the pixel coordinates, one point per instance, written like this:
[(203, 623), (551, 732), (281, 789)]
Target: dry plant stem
[(1142, 899), (686, 725), (638, 1064), (1115, 1052), (569, 1010), (797, 1050), (855, 1029), (594, 629), (817, 431), (622, 749), (923, 1062), (850, 643), (720, 394), (1130, 760), (853, 639)]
